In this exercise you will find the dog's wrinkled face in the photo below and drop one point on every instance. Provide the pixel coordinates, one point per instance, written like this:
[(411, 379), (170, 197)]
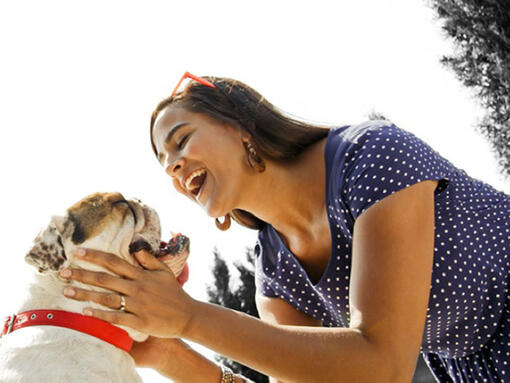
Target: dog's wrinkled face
[(102, 221)]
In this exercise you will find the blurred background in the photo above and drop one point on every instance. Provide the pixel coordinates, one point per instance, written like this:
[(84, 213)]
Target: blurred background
[(79, 80)]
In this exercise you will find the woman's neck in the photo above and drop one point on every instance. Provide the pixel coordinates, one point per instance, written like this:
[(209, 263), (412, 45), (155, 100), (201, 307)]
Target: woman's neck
[(291, 196)]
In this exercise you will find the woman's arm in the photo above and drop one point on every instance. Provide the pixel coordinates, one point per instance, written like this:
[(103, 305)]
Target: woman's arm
[(279, 311), (182, 364), (287, 353), (177, 361), (393, 247)]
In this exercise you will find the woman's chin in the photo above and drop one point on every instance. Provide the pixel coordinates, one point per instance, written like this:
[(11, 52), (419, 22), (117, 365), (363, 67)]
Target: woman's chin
[(212, 206), (214, 211), (208, 208)]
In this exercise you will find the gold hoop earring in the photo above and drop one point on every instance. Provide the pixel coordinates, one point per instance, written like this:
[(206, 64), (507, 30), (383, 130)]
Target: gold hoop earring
[(225, 225)]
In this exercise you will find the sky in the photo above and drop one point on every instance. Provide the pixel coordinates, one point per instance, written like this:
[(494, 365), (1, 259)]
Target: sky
[(79, 80)]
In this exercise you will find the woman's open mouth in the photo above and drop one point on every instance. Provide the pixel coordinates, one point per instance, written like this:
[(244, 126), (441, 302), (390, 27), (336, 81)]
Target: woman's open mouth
[(195, 186)]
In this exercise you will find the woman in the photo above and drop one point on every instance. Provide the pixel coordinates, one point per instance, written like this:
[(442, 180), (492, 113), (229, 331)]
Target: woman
[(371, 248)]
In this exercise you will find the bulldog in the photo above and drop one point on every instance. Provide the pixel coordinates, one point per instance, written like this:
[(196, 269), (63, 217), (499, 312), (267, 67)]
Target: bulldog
[(47, 353)]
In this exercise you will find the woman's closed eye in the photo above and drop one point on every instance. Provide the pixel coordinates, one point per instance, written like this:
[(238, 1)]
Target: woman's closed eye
[(181, 142)]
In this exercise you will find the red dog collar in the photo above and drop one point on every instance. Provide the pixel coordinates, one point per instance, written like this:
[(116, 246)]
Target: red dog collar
[(88, 325)]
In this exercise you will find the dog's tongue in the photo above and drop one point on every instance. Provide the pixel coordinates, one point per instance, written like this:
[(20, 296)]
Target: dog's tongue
[(164, 247), (184, 275), (171, 247)]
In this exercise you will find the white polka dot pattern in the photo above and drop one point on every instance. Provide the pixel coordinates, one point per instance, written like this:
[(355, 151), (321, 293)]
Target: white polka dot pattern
[(467, 330)]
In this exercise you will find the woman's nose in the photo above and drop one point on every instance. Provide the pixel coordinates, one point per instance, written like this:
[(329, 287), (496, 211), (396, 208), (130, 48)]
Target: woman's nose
[(174, 168)]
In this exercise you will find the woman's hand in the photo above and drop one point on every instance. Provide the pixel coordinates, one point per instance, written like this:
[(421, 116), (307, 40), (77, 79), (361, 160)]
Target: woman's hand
[(150, 352), (176, 360), (155, 304), (156, 353)]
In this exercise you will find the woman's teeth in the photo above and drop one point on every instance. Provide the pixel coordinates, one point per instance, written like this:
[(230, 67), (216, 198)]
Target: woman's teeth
[(199, 184), (191, 178)]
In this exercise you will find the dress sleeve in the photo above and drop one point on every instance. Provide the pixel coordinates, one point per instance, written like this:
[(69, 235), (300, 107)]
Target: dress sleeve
[(263, 267), (385, 159)]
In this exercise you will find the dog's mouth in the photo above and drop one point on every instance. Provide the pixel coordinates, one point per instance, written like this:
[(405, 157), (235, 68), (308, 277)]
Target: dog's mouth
[(178, 245), (173, 253)]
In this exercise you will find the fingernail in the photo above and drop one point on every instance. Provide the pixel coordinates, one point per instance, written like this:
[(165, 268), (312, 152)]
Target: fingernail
[(69, 292), (66, 273), (81, 252), (87, 312)]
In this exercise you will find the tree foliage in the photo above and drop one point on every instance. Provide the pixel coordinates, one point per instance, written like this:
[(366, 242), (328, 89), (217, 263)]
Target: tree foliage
[(240, 299), (480, 30)]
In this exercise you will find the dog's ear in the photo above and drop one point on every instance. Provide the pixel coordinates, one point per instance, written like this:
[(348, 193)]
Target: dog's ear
[(47, 252)]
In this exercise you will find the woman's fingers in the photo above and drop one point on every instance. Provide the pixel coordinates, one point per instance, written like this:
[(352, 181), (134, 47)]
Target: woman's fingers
[(116, 317), (111, 300), (99, 279), (154, 304), (111, 262), (149, 261)]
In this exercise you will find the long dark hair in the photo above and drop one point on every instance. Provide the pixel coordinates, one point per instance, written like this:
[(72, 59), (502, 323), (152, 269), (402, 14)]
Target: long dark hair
[(276, 136)]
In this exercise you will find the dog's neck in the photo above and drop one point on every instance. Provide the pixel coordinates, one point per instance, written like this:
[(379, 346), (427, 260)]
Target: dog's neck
[(46, 292)]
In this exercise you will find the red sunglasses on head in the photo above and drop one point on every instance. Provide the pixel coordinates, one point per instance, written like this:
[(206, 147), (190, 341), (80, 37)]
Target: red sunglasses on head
[(186, 75)]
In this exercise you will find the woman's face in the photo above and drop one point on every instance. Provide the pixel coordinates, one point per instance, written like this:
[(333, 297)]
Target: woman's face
[(187, 142)]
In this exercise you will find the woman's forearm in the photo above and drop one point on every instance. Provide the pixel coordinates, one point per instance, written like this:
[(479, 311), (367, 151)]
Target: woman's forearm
[(287, 353), (183, 364)]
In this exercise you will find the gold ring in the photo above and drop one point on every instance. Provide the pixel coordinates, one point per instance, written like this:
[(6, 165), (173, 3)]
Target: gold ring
[(122, 303)]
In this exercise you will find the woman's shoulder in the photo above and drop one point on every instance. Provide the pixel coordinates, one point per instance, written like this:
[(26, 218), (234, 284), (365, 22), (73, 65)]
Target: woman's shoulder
[(353, 133), (374, 159), (347, 140)]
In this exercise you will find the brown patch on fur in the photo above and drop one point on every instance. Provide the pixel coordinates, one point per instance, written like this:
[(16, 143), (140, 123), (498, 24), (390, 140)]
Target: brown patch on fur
[(47, 256), (91, 214), (85, 219)]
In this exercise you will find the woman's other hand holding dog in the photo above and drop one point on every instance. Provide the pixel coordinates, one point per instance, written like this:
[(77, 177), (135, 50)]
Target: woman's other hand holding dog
[(176, 360)]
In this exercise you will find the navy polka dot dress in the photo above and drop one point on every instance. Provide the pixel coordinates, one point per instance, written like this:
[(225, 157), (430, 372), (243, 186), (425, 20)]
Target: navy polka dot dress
[(467, 331)]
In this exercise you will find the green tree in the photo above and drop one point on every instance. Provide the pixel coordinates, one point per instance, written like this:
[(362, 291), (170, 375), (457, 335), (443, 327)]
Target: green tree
[(480, 30)]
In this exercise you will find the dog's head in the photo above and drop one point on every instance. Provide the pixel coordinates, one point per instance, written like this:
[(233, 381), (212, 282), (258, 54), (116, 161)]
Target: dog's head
[(106, 222)]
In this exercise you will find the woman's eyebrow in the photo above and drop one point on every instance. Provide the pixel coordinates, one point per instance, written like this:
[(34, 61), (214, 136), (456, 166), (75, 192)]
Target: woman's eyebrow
[(170, 134)]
